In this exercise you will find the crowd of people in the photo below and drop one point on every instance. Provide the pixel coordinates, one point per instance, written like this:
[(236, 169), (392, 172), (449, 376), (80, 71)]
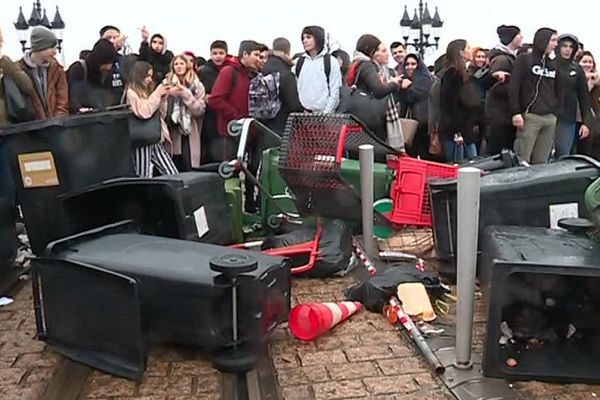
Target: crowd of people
[(540, 100)]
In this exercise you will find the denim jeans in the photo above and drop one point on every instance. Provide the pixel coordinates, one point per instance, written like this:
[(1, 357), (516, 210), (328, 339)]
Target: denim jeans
[(564, 138), (458, 153)]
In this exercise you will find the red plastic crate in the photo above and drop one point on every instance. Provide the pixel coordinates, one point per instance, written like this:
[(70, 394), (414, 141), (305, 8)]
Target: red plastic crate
[(410, 193)]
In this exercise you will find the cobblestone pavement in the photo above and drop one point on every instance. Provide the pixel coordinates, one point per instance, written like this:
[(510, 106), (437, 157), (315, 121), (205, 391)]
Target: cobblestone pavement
[(26, 367), (361, 358)]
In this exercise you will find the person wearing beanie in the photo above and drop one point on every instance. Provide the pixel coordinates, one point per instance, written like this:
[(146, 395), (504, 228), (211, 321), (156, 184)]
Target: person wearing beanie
[(575, 96), (318, 91), (501, 132), (90, 80), (156, 54), (534, 94), (50, 97), (123, 63), (370, 57), (208, 76)]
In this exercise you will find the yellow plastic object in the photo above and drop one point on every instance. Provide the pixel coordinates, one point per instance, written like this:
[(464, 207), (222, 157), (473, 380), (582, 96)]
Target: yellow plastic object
[(415, 301)]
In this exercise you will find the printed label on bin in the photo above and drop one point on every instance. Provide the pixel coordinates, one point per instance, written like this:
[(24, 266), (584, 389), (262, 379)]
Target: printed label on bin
[(201, 221), (560, 211), (38, 170)]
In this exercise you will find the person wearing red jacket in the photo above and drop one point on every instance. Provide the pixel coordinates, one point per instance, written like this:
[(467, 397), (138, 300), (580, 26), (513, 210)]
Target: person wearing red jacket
[(229, 96)]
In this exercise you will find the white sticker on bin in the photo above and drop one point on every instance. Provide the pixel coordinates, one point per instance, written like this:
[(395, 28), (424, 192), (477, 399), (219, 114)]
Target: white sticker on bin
[(201, 222), (36, 166), (560, 211)]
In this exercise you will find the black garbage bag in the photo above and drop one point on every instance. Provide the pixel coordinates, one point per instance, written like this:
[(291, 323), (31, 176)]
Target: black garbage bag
[(375, 292), (335, 248)]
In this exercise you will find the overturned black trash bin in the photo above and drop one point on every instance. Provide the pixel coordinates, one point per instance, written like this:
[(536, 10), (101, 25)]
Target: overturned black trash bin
[(189, 206), (542, 287), (8, 234), (52, 157), (186, 296), (523, 196)]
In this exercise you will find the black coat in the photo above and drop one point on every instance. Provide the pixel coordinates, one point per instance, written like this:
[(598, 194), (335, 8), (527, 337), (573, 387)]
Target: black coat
[(459, 101), (416, 97), (161, 62), (368, 80), (575, 92), (288, 92), (497, 109), (208, 75)]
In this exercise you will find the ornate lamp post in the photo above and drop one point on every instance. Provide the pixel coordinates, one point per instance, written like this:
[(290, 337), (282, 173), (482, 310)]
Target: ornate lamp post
[(417, 31), (38, 18)]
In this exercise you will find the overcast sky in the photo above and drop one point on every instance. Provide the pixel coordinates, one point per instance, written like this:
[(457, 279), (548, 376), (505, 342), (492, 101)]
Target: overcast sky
[(193, 26)]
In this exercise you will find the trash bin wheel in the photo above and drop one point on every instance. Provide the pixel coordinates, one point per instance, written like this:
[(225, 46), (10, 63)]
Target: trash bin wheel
[(236, 361), (274, 221), (232, 264), (225, 170), (234, 128), (576, 225)]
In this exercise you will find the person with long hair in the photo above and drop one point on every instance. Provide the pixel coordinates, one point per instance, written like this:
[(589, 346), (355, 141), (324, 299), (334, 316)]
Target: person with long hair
[(459, 102), (146, 99), (188, 102), (591, 146), (369, 72), (479, 73)]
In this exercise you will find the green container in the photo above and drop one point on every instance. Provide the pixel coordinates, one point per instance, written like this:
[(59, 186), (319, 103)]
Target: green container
[(276, 187), (233, 191), (592, 203), (382, 178)]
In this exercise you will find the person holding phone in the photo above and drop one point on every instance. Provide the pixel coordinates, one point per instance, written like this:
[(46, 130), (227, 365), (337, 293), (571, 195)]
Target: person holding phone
[(186, 106), (146, 99)]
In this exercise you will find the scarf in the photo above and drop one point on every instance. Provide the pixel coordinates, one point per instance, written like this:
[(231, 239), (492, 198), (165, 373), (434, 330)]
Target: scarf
[(181, 115), (395, 136)]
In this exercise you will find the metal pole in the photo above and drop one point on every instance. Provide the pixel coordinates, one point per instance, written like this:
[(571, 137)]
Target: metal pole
[(467, 228), (421, 43), (366, 161)]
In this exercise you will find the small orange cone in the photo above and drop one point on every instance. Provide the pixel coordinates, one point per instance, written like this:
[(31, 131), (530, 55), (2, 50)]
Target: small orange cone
[(309, 321)]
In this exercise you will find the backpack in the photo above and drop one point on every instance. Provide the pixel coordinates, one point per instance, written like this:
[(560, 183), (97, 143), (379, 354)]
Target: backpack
[(326, 64), (263, 96)]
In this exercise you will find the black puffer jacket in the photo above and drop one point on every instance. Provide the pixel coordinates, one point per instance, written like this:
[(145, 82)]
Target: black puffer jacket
[(415, 99), (288, 91)]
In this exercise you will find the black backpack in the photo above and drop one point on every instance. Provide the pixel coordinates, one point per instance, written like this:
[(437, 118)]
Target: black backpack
[(326, 62)]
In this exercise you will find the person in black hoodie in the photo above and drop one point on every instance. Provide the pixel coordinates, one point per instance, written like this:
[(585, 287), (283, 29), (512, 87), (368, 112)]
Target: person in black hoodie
[(280, 61), (575, 93), (501, 132), (211, 141), (534, 94), (156, 54), (90, 80)]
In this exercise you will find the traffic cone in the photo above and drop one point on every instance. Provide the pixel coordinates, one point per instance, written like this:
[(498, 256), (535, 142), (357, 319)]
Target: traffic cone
[(309, 321)]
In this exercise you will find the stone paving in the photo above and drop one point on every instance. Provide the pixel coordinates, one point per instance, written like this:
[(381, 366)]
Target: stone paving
[(360, 359)]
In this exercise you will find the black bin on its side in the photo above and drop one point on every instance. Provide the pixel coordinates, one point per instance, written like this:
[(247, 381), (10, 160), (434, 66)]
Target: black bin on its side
[(189, 206), (543, 287), (519, 196), (60, 155), (8, 233), (183, 300)]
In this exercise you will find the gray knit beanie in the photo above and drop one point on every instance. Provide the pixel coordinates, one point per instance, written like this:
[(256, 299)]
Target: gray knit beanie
[(42, 38)]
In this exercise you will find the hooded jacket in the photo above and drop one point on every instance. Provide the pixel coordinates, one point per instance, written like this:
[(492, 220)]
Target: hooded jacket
[(415, 98), (497, 109), (573, 86), (88, 88), (50, 95), (534, 84), (288, 91), (161, 62), (313, 90), (229, 97)]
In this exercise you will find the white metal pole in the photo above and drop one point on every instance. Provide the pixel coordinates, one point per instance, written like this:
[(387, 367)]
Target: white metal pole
[(469, 180), (366, 161)]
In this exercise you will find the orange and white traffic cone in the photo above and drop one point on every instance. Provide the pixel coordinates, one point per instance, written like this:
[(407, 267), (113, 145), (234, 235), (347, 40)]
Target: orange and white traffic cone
[(309, 321)]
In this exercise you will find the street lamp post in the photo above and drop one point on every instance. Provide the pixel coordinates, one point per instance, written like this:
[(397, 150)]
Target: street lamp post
[(421, 28), (39, 17)]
